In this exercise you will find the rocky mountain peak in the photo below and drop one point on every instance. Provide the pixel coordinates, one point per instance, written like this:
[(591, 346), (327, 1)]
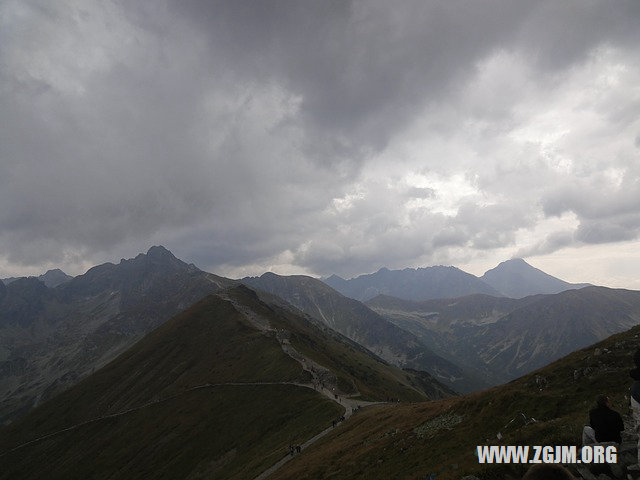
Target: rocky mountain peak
[(513, 264), (516, 278), (159, 252), (335, 277), (53, 278)]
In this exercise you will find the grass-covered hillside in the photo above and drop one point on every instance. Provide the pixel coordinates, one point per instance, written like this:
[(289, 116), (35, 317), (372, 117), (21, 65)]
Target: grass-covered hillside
[(209, 394), (413, 441)]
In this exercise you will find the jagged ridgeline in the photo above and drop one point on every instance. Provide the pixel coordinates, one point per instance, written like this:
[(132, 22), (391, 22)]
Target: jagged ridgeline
[(219, 391), (546, 407), (52, 337)]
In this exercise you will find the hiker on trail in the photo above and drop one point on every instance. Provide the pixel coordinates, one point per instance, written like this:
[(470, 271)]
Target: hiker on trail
[(298, 449), (605, 422), (548, 471)]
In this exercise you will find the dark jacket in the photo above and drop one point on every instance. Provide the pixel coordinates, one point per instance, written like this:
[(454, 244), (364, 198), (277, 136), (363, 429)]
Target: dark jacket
[(635, 387), (607, 423)]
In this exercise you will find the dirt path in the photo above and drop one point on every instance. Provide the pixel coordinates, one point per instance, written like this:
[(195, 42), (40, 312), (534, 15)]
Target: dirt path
[(323, 381)]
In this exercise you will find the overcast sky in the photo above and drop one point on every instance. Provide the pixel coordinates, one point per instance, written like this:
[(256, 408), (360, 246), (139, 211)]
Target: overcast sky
[(322, 137)]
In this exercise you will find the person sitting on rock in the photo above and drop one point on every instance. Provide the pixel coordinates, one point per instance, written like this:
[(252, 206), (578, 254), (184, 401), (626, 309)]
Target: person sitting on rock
[(606, 422), (635, 395)]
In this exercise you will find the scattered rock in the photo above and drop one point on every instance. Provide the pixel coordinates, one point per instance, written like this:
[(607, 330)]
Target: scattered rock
[(431, 427), (597, 352)]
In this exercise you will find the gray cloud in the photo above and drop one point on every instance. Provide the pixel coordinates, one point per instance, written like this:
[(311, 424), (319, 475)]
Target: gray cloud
[(549, 244), (326, 136)]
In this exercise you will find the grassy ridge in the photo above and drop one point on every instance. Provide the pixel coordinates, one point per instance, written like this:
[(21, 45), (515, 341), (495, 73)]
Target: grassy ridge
[(357, 369), (411, 441), (213, 432), (208, 343), (234, 431)]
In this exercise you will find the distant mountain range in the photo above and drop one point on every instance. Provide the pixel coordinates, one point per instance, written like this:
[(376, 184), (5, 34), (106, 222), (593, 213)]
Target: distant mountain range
[(510, 337), (362, 325), (513, 278), (412, 284), (52, 278)]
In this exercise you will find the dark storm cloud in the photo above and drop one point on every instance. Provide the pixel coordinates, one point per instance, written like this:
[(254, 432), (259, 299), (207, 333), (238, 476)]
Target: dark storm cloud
[(243, 134), (363, 69)]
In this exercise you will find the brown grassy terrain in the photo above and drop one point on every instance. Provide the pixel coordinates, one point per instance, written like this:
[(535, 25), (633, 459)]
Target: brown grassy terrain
[(412, 441)]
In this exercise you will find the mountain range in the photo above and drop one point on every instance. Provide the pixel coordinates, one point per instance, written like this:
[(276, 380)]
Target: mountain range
[(514, 278), (412, 284), (510, 337), (154, 368), (51, 278)]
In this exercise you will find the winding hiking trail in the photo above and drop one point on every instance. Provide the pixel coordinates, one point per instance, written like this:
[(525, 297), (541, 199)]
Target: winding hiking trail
[(323, 382), (321, 376)]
